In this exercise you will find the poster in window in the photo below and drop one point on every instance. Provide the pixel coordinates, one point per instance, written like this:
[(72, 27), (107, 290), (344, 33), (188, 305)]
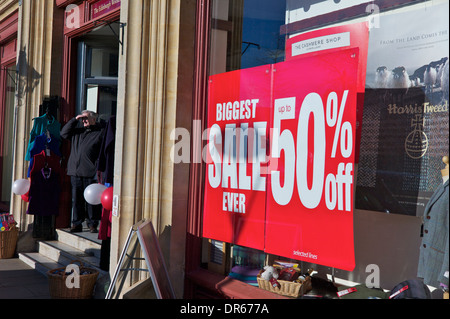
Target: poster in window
[(236, 159), (280, 158), (310, 190), (405, 122)]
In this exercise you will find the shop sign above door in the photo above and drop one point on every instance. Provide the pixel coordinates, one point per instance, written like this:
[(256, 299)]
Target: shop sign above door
[(103, 6), (81, 18)]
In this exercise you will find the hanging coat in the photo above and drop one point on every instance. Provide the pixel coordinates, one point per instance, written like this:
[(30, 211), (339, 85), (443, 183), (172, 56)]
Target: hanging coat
[(41, 125), (45, 185)]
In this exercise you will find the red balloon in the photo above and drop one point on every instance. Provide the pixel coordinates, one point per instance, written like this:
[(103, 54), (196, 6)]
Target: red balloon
[(107, 198)]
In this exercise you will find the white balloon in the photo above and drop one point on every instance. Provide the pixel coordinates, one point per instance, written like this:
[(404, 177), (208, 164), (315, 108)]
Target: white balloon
[(93, 193), (21, 186)]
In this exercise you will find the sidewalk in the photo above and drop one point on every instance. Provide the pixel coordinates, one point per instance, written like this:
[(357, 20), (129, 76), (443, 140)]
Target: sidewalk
[(20, 281)]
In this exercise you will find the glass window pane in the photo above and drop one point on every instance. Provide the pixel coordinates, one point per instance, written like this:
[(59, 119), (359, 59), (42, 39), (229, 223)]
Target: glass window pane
[(102, 62), (246, 34)]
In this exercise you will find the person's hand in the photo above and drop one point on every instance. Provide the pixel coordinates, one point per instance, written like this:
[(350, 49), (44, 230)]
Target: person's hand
[(80, 117)]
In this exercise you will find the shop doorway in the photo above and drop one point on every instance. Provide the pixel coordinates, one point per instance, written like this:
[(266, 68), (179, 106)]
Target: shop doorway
[(97, 69)]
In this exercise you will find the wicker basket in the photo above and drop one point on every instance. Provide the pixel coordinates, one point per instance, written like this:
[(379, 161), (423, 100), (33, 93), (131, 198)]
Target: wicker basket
[(59, 290), (287, 288), (8, 241)]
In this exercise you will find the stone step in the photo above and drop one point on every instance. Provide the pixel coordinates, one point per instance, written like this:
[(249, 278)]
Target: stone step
[(59, 254), (84, 241), (39, 262), (66, 254)]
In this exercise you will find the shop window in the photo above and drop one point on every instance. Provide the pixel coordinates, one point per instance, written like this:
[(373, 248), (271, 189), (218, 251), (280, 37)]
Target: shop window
[(247, 34), (6, 156)]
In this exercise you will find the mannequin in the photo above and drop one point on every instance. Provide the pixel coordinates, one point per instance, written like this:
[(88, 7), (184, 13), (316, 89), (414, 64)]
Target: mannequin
[(434, 250)]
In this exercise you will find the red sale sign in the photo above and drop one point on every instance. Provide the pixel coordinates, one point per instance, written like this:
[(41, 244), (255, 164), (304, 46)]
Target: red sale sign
[(280, 158), (238, 126), (310, 193)]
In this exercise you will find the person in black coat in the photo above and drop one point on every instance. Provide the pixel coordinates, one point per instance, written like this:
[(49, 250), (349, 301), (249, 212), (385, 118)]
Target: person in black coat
[(86, 136)]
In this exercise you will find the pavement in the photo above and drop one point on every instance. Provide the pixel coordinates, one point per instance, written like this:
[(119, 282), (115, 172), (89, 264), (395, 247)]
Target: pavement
[(19, 281)]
